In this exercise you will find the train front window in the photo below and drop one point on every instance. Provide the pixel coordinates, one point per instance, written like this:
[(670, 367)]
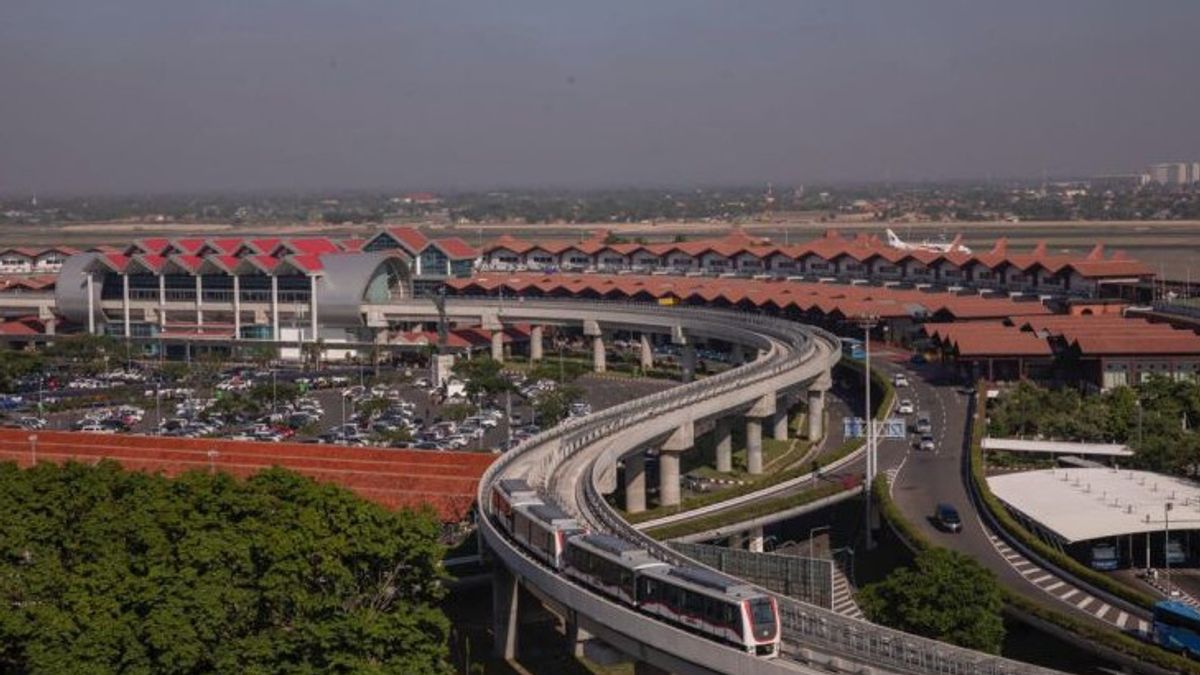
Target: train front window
[(761, 612)]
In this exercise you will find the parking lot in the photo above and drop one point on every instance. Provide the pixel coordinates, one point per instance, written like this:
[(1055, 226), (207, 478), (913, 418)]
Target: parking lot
[(397, 409)]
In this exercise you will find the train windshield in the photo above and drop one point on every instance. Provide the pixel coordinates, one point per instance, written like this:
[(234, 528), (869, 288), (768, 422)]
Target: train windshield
[(762, 614)]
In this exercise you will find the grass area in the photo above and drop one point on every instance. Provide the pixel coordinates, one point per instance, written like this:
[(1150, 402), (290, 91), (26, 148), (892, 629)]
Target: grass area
[(755, 510), (776, 455), (699, 500)]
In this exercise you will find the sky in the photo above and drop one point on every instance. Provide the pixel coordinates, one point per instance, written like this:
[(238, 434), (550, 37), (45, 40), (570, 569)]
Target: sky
[(144, 96)]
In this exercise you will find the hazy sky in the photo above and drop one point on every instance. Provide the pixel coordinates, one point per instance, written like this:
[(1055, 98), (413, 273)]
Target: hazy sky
[(157, 95)]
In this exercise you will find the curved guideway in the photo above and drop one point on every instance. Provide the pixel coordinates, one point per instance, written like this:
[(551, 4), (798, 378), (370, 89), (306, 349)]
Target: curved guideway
[(576, 461)]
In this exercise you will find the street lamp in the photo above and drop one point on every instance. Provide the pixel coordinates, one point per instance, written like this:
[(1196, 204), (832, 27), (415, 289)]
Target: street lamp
[(1167, 545), (867, 322)]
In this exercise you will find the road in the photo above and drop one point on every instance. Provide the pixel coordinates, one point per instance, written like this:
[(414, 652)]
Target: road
[(921, 479)]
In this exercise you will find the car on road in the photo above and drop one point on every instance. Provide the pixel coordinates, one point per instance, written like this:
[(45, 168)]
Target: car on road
[(926, 443), (900, 380), (946, 517), (923, 425), (906, 407), (918, 359)]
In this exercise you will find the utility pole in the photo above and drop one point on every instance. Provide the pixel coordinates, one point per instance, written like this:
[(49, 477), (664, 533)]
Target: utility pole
[(867, 322)]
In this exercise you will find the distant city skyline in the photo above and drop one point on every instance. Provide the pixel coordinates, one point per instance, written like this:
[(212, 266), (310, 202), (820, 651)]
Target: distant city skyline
[(145, 97)]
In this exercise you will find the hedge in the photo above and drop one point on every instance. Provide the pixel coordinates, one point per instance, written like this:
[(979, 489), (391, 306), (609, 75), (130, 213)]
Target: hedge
[(1031, 541)]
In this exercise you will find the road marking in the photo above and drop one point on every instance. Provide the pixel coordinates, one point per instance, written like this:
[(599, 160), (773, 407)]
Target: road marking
[(1051, 587), (1143, 627), (1069, 594), (1103, 610), (1043, 578), (1121, 619), (1087, 600)]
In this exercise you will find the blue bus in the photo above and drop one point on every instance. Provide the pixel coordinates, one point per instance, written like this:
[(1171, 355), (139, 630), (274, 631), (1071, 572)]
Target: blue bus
[(853, 349), (1177, 627)]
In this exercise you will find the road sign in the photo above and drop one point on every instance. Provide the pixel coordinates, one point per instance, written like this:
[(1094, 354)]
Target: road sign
[(853, 427), (891, 428), (895, 428)]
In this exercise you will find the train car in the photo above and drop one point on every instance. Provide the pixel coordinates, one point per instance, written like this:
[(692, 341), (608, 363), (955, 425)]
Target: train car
[(508, 493), (706, 602), (609, 564), (544, 529)]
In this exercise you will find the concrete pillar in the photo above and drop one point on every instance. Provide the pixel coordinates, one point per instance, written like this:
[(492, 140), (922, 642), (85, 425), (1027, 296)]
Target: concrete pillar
[(312, 307), (125, 304), (754, 539), (635, 482), (816, 414), (736, 356), (599, 358), (683, 438), (688, 364), (647, 352), (754, 460), (199, 301), (505, 607), (237, 307), (51, 325), (762, 409), (668, 477), (535, 343), (162, 301), (91, 303), (724, 444), (779, 423), (498, 345), (576, 636), (275, 308)]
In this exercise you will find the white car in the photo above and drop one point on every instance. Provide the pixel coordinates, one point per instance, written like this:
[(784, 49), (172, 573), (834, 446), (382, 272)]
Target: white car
[(900, 380), (906, 407)]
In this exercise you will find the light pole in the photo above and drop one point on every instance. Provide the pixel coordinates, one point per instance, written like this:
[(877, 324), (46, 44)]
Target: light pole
[(1167, 545), (33, 449), (867, 322)]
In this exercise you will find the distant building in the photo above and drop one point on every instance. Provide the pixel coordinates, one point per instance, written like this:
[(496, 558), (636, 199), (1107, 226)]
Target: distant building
[(1174, 173)]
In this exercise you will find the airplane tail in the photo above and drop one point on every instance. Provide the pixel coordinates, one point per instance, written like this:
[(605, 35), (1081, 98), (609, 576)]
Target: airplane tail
[(893, 240), (957, 244)]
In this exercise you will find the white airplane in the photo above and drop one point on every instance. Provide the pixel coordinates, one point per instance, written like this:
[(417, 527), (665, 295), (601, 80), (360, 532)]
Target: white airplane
[(955, 246)]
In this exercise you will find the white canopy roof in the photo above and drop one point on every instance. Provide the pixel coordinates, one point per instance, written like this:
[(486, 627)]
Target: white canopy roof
[(1083, 504), (1057, 447)]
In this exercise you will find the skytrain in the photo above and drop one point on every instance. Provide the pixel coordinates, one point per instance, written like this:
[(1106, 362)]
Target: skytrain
[(699, 600)]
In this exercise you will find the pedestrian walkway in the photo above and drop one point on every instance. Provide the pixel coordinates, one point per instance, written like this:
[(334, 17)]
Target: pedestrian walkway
[(1064, 591), (843, 596)]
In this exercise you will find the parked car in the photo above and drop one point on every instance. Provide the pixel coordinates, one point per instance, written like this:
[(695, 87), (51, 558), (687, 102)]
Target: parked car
[(946, 517)]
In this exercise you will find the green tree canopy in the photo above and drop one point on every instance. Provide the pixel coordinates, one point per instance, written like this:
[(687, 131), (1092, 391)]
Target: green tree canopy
[(552, 406), (945, 595), (483, 375), (106, 570)]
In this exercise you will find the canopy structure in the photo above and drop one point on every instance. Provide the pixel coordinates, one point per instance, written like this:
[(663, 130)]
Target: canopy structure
[(1058, 447), (1078, 504)]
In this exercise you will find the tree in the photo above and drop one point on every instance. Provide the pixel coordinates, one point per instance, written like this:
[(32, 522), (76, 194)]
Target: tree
[(14, 365), (106, 570), (483, 376), (946, 596), (553, 406)]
